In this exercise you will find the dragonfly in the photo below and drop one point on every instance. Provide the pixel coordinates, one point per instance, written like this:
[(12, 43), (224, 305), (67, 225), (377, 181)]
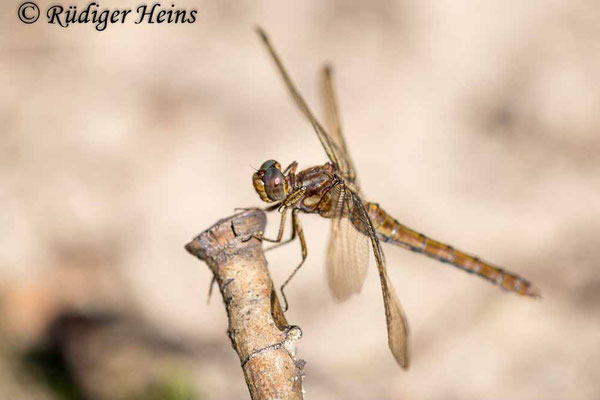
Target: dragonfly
[(332, 191)]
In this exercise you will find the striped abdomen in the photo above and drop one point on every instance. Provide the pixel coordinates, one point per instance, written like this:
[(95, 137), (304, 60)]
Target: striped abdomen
[(391, 231)]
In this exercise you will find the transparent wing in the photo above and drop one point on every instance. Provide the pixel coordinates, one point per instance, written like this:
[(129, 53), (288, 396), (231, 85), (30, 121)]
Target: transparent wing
[(333, 123), (336, 154), (396, 322), (348, 252)]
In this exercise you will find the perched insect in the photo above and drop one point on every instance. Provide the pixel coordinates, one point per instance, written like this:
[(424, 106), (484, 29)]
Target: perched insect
[(332, 191)]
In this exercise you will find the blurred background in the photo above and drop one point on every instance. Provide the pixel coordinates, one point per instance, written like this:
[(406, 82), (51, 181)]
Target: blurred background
[(475, 122)]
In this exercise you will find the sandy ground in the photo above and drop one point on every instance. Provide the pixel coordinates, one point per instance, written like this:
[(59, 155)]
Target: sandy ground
[(476, 123)]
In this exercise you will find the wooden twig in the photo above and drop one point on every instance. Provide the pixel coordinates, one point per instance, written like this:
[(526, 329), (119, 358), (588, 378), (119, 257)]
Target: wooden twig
[(259, 332)]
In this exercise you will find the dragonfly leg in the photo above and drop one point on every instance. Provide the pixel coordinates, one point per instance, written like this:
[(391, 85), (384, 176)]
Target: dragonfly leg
[(297, 227), (276, 245), (239, 209), (291, 168), (210, 289), (282, 207), (279, 238), (290, 172), (271, 207), (267, 209)]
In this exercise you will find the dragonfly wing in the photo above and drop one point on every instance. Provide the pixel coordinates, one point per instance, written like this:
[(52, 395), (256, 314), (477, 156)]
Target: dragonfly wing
[(336, 154), (396, 321), (348, 251), (333, 122)]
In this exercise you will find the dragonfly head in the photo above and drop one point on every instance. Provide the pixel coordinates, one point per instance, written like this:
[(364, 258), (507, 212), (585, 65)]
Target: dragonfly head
[(269, 182)]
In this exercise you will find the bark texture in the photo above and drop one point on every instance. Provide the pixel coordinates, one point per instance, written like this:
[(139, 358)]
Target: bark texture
[(259, 332)]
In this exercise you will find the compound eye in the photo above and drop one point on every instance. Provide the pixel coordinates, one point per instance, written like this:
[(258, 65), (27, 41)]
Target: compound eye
[(269, 164), (274, 184)]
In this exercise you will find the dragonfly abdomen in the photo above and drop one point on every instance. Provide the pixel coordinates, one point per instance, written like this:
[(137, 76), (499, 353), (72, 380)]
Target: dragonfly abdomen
[(391, 231)]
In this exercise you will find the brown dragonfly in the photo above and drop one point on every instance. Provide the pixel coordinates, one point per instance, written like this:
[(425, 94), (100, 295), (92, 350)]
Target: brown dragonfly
[(332, 191)]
